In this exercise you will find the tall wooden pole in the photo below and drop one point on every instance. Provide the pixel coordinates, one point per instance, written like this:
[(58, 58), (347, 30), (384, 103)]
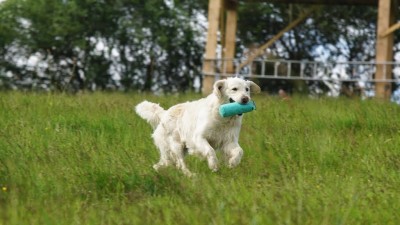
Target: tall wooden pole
[(230, 36), (214, 11), (384, 48)]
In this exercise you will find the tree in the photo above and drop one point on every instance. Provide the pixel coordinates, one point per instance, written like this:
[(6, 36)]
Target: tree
[(154, 45), (342, 30), (86, 44), (331, 34)]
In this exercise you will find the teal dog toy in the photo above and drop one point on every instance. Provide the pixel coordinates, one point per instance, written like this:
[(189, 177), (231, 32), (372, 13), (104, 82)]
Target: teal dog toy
[(234, 108)]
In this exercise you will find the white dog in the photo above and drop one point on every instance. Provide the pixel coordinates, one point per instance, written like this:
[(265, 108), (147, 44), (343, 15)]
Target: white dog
[(197, 128)]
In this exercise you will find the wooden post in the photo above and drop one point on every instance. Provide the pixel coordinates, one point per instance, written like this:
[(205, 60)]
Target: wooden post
[(384, 48), (214, 10), (230, 36), (391, 29)]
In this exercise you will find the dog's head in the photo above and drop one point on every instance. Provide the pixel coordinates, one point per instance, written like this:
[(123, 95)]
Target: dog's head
[(235, 90)]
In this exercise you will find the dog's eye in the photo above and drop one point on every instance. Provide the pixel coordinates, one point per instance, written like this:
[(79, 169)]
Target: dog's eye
[(234, 89), (247, 89)]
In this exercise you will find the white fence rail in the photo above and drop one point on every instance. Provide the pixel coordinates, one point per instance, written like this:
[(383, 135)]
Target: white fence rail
[(352, 71)]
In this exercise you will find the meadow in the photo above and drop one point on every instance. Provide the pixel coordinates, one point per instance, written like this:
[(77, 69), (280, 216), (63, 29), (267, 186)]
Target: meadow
[(87, 159)]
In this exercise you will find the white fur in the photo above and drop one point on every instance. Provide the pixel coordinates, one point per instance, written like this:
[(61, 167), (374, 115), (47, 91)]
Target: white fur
[(197, 128)]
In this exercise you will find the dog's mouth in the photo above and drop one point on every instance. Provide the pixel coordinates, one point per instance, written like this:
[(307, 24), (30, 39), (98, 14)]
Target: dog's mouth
[(231, 101)]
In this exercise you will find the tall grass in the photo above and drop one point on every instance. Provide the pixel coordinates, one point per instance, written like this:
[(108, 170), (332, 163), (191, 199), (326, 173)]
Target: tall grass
[(87, 159)]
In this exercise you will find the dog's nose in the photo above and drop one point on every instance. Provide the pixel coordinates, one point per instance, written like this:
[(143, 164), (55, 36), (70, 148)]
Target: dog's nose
[(245, 99)]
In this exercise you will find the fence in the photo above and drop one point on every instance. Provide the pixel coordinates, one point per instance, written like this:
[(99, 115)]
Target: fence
[(351, 71), (332, 74)]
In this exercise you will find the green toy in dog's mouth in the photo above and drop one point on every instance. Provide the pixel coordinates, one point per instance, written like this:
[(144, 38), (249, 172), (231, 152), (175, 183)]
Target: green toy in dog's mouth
[(235, 108)]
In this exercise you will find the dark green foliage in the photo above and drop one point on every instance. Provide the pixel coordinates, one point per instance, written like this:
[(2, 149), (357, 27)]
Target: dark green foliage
[(82, 43), (158, 44), (347, 31)]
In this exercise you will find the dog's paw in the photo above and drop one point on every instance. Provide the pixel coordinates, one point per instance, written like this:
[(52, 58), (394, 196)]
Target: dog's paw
[(233, 163), (158, 166), (235, 158), (213, 164), (191, 175), (214, 167)]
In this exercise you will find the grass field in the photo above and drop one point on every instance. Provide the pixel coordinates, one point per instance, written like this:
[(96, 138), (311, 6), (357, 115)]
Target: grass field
[(87, 159)]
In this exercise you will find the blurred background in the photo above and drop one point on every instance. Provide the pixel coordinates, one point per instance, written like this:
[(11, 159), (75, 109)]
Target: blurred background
[(159, 45)]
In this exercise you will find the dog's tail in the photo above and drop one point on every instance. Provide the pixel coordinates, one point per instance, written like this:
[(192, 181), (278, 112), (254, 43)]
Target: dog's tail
[(151, 112)]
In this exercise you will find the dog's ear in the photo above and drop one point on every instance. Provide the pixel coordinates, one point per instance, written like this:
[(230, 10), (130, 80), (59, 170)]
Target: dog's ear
[(254, 88), (218, 86)]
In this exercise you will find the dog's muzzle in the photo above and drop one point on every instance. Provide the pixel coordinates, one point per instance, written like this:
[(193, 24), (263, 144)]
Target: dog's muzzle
[(231, 101), (244, 100)]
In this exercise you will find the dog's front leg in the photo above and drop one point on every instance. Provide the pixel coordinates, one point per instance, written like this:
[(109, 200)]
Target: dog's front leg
[(234, 153), (208, 152)]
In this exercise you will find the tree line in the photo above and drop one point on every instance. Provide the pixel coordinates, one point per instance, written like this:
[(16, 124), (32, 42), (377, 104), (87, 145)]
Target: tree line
[(157, 45)]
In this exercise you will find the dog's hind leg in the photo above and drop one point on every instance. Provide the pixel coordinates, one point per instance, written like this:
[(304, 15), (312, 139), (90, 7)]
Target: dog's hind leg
[(163, 147), (178, 150), (180, 164), (163, 162)]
